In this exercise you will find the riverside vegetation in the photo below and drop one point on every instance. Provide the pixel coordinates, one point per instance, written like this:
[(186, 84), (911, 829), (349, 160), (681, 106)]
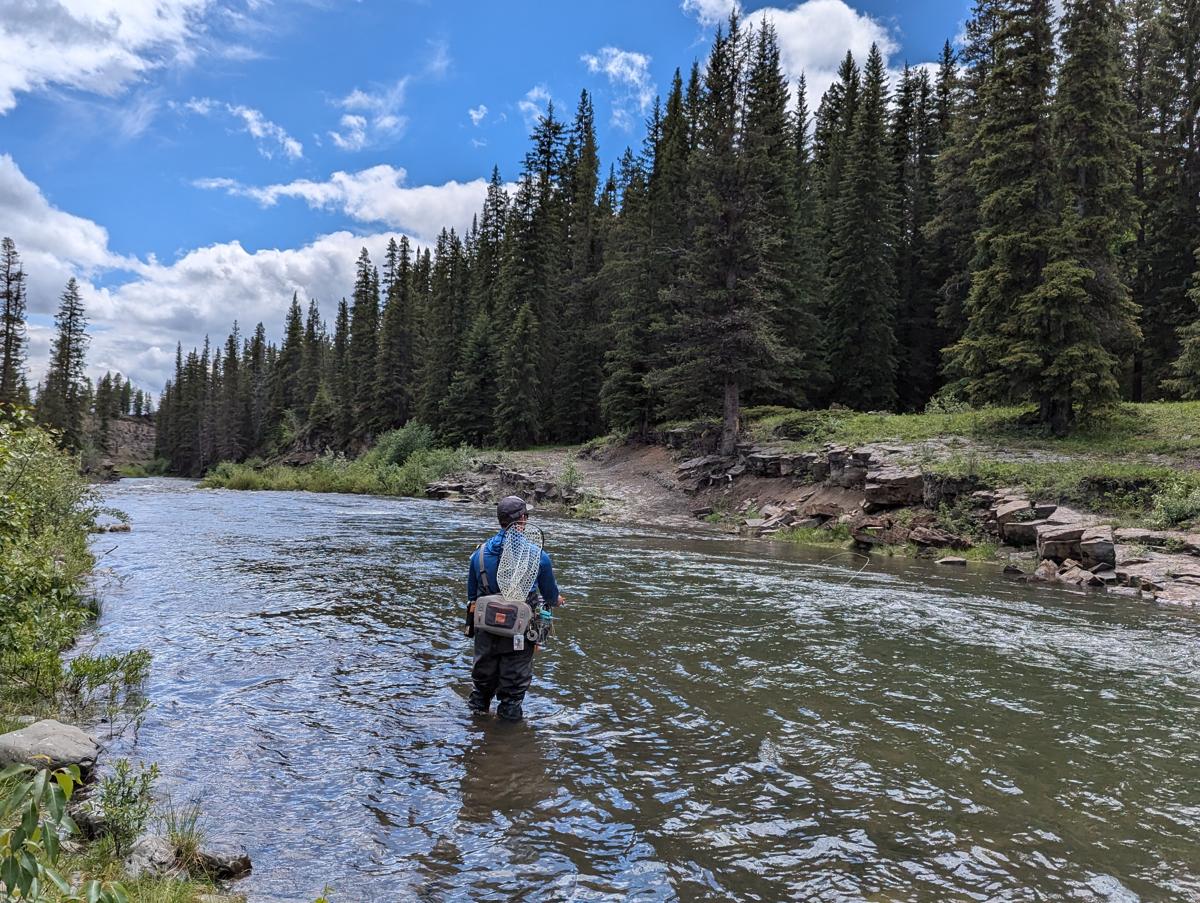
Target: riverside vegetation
[(46, 600)]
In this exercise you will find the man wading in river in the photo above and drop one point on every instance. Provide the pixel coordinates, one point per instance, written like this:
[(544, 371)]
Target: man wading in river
[(501, 624)]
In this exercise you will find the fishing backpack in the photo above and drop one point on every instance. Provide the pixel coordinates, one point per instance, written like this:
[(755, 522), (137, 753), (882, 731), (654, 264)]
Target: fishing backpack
[(494, 614)]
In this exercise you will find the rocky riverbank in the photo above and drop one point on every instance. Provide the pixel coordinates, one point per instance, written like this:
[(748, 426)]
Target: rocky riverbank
[(873, 494)]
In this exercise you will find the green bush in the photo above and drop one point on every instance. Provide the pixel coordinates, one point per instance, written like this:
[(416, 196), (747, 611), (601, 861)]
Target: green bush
[(397, 446), (126, 798), (1178, 502)]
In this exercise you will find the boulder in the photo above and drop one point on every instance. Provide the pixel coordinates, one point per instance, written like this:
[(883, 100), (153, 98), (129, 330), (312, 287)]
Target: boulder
[(1011, 511), (1077, 576), (1046, 571), (49, 744), (1021, 532), (1043, 510), (1011, 570), (951, 560), (1059, 541), (1156, 571), (935, 538), (894, 487), (878, 531), (944, 490), (702, 511), (1096, 546), (223, 861), (152, 855)]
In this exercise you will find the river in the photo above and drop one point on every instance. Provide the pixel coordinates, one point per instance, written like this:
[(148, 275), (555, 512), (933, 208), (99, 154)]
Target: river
[(716, 719)]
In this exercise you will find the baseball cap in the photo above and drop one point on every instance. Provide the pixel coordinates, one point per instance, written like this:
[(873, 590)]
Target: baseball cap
[(511, 509)]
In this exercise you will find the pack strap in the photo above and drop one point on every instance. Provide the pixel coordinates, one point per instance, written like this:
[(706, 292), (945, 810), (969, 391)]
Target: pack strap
[(483, 577)]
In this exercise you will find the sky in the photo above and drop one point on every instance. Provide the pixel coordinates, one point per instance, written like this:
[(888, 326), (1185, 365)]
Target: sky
[(193, 162)]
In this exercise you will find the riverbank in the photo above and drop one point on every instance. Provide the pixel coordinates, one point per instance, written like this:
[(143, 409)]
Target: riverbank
[(47, 600), (1110, 507)]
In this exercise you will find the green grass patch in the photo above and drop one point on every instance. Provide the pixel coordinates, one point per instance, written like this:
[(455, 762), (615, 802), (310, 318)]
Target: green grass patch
[(159, 467), (837, 536), (402, 463)]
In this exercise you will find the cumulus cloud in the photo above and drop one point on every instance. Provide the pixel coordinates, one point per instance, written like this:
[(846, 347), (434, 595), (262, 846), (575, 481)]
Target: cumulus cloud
[(710, 12), (378, 195), (815, 35), (371, 117), (101, 46), (533, 104), (628, 73), (477, 114), (139, 308), (270, 138)]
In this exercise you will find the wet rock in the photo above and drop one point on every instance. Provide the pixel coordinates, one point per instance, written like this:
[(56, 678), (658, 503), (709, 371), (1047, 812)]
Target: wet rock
[(1077, 576), (1156, 571), (894, 487), (953, 561), (1179, 595), (152, 855), (223, 861), (1096, 547), (1046, 571), (1060, 541), (1011, 570), (753, 526), (49, 744)]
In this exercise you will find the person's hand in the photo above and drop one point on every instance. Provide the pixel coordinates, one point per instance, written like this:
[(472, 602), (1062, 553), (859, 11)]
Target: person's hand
[(561, 600)]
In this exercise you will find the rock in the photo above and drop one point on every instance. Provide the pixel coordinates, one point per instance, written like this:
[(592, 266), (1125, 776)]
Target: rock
[(808, 523), (1022, 532), (1077, 576), (1011, 570), (703, 511), (1096, 546), (49, 744), (1043, 510), (935, 538), (1046, 571), (119, 528), (1010, 511), (878, 531), (951, 560), (223, 861), (893, 487), (1063, 515), (1156, 571), (86, 812), (151, 855), (1059, 541), (832, 501), (943, 490), (1179, 595)]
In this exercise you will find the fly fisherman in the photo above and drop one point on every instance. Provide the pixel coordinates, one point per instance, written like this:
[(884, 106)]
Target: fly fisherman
[(503, 656)]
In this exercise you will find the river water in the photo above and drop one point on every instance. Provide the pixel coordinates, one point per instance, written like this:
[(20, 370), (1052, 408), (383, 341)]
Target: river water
[(716, 720)]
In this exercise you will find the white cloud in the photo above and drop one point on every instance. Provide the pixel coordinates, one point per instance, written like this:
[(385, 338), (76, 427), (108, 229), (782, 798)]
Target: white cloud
[(98, 46), (815, 35), (439, 62), (710, 12), (477, 114), (378, 195), (269, 137), (139, 308), (533, 105), (371, 117), (629, 74)]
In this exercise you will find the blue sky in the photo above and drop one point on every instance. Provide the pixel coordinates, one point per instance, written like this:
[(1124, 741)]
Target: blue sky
[(195, 161)]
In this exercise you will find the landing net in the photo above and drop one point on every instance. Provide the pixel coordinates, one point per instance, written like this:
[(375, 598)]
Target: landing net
[(519, 562)]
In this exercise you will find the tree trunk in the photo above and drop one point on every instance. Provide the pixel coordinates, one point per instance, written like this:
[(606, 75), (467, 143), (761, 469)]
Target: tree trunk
[(733, 416)]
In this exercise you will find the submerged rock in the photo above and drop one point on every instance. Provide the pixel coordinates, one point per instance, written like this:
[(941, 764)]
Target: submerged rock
[(49, 744), (951, 560), (223, 861)]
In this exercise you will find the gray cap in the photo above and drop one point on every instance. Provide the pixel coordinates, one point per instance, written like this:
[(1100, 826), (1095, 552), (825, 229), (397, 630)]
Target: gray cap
[(511, 509)]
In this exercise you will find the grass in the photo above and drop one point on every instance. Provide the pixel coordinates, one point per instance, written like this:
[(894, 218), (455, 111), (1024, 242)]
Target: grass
[(837, 536), (159, 467), (1167, 428), (97, 862)]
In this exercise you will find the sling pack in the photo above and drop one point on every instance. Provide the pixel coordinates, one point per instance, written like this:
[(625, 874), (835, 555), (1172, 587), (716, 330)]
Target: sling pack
[(496, 615)]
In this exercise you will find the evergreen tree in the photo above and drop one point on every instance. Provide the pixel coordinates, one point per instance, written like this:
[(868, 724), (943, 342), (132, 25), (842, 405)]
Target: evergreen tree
[(517, 417), (287, 374), (338, 387), (12, 323), (61, 404), (862, 293), (396, 372), (312, 357), (1016, 182), (363, 347)]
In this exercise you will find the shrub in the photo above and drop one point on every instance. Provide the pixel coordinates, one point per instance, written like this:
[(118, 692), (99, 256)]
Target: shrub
[(1176, 503), (126, 797), (397, 446)]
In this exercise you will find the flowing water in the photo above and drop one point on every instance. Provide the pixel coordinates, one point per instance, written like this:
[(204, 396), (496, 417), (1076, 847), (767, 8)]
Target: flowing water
[(716, 720)]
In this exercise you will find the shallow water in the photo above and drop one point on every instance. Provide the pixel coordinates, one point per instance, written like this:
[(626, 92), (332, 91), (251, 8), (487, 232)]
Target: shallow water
[(716, 719)]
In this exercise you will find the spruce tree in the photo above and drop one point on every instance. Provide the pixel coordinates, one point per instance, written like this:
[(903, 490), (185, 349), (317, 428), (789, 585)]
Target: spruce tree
[(395, 371), (12, 323), (862, 288), (517, 417), (1016, 183), (363, 346), (286, 375), (312, 357), (339, 387), (61, 402)]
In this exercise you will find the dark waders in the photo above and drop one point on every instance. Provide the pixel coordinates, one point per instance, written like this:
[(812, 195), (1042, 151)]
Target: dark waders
[(498, 671)]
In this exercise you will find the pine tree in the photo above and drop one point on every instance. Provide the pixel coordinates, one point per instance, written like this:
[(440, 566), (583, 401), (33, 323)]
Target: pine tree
[(1016, 182), (1083, 316), (338, 386), (61, 404), (12, 323), (517, 417), (363, 346), (467, 411), (395, 371), (286, 375), (862, 289), (312, 357)]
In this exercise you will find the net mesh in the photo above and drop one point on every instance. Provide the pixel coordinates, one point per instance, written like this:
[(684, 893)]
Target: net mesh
[(519, 562)]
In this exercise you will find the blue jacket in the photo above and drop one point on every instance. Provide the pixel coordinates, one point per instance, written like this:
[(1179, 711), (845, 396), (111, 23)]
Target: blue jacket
[(546, 584)]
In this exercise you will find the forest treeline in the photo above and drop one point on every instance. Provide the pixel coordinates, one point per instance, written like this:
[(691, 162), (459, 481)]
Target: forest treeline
[(1018, 226), (67, 401)]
